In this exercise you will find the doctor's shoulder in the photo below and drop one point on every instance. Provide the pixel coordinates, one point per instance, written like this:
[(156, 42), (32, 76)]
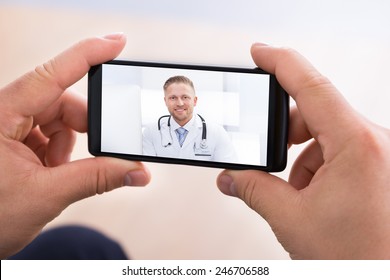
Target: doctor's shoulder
[(216, 130), (156, 130), (149, 139), (150, 129)]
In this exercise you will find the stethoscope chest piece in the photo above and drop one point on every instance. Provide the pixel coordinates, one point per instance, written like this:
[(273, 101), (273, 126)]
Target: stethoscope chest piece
[(203, 144)]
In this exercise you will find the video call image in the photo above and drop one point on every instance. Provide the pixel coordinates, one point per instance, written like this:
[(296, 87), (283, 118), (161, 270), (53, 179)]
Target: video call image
[(185, 114)]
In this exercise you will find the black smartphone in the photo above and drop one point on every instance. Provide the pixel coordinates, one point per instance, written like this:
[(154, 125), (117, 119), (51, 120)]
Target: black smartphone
[(223, 117)]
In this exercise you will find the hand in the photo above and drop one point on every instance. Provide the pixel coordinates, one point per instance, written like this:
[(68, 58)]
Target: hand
[(37, 133), (336, 204)]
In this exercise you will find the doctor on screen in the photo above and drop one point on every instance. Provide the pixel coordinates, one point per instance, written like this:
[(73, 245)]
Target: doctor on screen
[(183, 133)]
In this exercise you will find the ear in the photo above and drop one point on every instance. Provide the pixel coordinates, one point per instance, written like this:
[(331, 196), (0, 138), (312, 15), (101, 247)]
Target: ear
[(195, 100)]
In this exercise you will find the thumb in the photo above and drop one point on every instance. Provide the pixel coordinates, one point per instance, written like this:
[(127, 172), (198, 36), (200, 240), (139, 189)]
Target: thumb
[(270, 196), (84, 178)]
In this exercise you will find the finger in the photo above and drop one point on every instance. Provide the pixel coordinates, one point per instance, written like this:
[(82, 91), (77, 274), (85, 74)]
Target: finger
[(52, 144), (38, 89), (61, 142), (70, 109), (306, 166), (297, 132), (57, 123), (270, 196), (318, 101), (84, 178), (37, 142)]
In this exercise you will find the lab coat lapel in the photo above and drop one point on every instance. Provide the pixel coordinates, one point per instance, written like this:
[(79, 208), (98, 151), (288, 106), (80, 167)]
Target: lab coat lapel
[(193, 132)]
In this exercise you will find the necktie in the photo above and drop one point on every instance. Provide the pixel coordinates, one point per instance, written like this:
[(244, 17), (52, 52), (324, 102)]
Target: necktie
[(181, 135)]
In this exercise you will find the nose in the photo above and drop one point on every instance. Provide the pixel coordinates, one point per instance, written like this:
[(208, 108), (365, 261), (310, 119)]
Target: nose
[(180, 102)]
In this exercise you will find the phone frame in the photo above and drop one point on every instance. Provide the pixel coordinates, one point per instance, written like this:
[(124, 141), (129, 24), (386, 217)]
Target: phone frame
[(278, 119)]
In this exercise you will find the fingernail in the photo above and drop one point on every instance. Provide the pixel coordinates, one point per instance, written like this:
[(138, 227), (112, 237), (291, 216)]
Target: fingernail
[(227, 186), (135, 178), (114, 36), (258, 44)]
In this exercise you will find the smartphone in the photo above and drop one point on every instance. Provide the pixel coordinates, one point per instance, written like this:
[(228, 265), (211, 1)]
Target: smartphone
[(233, 118)]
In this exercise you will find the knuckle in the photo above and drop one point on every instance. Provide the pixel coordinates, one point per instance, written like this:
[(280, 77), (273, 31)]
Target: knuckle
[(371, 141), (47, 73), (288, 54), (314, 79), (310, 78), (287, 51), (249, 193), (101, 179)]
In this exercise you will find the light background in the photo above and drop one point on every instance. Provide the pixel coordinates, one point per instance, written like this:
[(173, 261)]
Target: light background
[(181, 214)]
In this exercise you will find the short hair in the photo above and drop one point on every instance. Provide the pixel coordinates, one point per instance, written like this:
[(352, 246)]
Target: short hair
[(178, 79)]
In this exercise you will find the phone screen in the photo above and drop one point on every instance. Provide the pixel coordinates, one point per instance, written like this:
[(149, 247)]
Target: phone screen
[(226, 114)]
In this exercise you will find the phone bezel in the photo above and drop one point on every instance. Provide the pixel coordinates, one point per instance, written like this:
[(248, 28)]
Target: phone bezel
[(278, 117)]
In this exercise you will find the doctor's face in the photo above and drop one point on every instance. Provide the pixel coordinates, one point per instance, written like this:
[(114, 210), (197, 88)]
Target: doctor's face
[(180, 100)]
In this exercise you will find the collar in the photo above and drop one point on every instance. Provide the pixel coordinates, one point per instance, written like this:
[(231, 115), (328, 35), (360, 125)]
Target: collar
[(193, 122)]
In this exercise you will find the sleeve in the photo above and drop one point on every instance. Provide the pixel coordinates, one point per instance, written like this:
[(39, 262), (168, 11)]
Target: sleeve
[(224, 148)]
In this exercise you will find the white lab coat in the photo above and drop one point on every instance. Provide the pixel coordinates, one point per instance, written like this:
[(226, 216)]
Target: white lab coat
[(165, 143)]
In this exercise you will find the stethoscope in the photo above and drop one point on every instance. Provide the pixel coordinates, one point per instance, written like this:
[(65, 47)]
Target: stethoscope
[(203, 142)]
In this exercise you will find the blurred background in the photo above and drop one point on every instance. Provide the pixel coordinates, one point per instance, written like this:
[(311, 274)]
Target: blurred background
[(181, 214)]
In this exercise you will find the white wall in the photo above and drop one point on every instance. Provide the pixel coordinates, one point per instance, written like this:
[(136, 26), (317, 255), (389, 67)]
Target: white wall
[(121, 119)]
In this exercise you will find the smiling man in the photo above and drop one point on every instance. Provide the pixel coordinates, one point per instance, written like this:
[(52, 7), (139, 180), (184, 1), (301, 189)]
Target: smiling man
[(183, 134), (180, 98)]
